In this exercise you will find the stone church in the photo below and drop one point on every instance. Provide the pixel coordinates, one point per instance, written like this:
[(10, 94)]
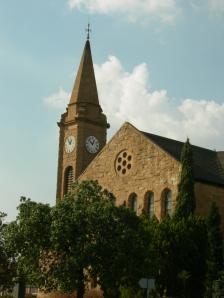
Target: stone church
[(140, 168)]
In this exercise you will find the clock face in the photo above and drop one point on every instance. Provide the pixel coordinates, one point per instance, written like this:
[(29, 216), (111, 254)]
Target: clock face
[(92, 144), (69, 144)]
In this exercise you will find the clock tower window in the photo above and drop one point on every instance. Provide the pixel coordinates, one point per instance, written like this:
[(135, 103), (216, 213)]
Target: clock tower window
[(68, 179)]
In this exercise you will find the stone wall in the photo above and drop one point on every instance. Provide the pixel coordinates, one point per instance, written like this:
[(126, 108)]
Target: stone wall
[(205, 195), (147, 168), (152, 169)]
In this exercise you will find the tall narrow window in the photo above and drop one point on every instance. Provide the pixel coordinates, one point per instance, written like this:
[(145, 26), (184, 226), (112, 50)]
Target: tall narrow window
[(68, 179), (168, 202), (132, 202), (149, 204)]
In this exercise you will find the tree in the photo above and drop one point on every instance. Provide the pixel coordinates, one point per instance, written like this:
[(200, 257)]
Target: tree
[(182, 239), (180, 246), (218, 286), (85, 236), (120, 251), (27, 238), (186, 198), (7, 266), (130, 293), (94, 239), (215, 248), (73, 237), (151, 262)]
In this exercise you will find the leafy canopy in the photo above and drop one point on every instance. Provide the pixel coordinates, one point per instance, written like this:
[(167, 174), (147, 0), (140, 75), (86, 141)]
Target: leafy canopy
[(85, 236), (215, 248), (7, 265)]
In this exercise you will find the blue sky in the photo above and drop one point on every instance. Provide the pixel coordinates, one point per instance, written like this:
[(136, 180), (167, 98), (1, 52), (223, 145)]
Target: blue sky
[(159, 65)]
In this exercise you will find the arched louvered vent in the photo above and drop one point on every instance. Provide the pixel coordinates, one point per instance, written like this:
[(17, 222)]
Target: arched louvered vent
[(68, 179)]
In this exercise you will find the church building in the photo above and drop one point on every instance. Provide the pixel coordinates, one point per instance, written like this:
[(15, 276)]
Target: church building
[(141, 169)]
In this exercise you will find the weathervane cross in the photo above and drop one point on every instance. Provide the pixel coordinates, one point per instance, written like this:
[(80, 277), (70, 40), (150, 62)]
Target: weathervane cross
[(88, 30)]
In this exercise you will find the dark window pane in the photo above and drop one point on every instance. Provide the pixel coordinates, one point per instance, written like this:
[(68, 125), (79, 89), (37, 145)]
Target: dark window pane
[(168, 203), (133, 202), (150, 204)]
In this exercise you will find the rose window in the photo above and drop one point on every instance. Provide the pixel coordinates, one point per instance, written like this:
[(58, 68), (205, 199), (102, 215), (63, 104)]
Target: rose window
[(123, 163)]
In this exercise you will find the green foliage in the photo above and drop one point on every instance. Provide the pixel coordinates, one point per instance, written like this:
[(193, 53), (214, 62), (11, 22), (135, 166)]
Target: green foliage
[(130, 293), (180, 260), (27, 237), (150, 226), (74, 235), (84, 236), (120, 249), (7, 265), (218, 286), (100, 240), (186, 198), (215, 248)]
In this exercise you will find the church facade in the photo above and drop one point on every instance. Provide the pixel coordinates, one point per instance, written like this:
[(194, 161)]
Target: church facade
[(141, 169)]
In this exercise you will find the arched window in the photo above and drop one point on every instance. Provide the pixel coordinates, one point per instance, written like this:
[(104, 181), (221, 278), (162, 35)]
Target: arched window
[(132, 202), (149, 204), (168, 202), (68, 179)]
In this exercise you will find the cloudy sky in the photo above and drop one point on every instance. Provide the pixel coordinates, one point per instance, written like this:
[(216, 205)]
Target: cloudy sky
[(159, 65)]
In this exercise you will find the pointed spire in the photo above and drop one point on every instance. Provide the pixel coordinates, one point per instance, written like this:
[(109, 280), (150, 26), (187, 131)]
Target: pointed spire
[(85, 90)]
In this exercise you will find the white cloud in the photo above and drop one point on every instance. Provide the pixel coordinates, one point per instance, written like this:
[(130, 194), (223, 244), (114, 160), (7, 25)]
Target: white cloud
[(216, 5), (165, 10), (127, 96), (57, 100)]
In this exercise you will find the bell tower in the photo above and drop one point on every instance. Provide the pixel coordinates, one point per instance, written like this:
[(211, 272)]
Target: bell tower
[(82, 127)]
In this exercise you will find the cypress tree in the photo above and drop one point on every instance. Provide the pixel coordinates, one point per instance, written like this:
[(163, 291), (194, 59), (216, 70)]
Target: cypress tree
[(186, 198), (215, 247)]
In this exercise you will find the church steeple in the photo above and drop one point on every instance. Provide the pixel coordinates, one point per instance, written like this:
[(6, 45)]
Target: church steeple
[(85, 90), (82, 127)]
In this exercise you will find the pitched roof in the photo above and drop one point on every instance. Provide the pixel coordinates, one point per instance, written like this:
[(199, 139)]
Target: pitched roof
[(208, 164), (85, 89)]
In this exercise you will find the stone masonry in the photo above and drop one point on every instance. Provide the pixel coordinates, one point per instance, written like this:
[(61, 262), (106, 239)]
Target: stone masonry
[(152, 169)]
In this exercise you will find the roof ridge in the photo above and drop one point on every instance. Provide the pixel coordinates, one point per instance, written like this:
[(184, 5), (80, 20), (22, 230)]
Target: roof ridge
[(181, 142)]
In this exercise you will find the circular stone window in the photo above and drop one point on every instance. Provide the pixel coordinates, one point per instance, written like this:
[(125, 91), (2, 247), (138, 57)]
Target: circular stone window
[(123, 163)]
